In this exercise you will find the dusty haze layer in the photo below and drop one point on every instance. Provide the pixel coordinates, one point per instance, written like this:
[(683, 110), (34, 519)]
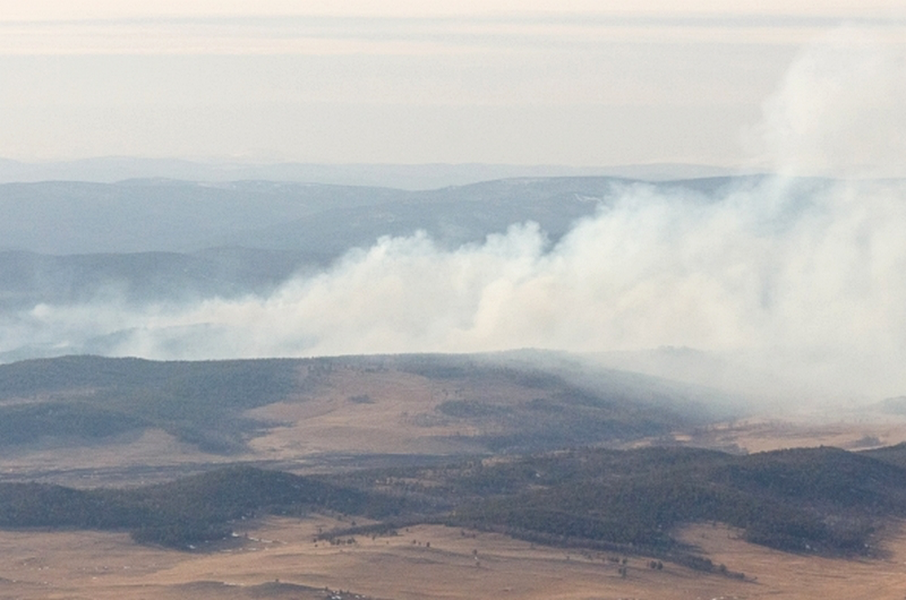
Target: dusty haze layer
[(799, 278), (403, 81)]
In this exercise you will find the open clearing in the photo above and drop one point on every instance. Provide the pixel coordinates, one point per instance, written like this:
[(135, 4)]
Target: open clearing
[(370, 412), (856, 430), (357, 412), (281, 560)]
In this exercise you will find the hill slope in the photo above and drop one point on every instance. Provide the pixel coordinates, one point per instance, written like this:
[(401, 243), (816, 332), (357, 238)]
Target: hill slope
[(822, 500), (287, 408)]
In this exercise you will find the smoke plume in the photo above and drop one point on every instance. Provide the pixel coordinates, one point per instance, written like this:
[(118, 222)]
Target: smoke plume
[(801, 279)]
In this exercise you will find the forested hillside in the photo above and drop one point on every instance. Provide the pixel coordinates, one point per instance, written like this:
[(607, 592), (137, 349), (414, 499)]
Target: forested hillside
[(528, 404), (821, 500), (91, 397)]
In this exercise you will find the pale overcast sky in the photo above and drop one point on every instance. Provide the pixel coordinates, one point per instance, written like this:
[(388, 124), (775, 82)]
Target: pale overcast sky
[(493, 81)]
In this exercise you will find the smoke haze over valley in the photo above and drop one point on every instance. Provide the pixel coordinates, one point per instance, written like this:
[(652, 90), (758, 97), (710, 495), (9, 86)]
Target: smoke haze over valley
[(799, 275), (452, 300)]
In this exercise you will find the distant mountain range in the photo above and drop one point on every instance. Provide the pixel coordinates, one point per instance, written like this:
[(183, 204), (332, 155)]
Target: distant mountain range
[(157, 239), (322, 221), (408, 177)]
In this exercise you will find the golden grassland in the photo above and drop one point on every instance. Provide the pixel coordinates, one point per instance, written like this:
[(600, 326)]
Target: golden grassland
[(359, 411), (761, 434), (398, 416), (280, 559)]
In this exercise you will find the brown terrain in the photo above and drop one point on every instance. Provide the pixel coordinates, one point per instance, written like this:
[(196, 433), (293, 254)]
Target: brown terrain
[(353, 411), (393, 413), (280, 560), (358, 411)]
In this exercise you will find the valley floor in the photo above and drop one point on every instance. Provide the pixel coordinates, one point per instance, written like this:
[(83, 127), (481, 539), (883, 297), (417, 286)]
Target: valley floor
[(280, 559)]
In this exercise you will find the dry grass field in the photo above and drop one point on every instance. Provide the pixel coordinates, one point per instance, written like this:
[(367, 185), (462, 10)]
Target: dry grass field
[(281, 560), (357, 411), (851, 431), (395, 423), (360, 409)]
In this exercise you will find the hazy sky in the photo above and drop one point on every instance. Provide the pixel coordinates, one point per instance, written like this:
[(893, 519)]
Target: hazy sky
[(806, 285), (537, 82)]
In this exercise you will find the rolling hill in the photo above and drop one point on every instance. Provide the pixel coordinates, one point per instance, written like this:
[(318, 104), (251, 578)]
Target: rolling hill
[(824, 501), (285, 408)]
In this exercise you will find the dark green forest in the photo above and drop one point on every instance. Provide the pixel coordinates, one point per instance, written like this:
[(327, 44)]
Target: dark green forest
[(820, 500), (182, 512), (541, 471), (90, 398)]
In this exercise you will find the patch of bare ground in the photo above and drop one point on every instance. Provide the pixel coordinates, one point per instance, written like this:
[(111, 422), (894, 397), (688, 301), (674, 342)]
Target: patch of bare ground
[(351, 410), (129, 455), (857, 431), (780, 575), (281, 559), (381, 412), (46, 397)]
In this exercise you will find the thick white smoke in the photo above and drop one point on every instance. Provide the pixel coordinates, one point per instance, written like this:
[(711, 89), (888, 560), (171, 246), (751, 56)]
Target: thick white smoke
[(803, 280), (839, 110)]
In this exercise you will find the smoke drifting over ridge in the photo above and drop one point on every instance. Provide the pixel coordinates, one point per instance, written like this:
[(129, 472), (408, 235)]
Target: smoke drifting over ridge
[(839, 110), (804, 279)]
